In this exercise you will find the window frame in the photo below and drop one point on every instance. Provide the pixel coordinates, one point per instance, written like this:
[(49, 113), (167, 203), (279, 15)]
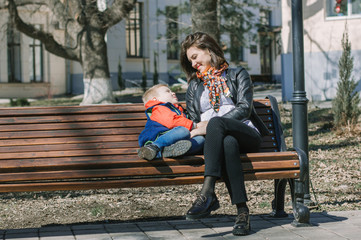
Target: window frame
[(349, 15), (134, 28), (14, 41), (172, 33), (33, 46)]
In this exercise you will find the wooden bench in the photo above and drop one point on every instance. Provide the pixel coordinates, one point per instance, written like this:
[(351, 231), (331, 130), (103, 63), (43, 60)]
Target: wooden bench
[(94, 147)]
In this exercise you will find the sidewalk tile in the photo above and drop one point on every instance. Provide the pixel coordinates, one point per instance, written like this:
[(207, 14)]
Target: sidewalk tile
[(164, 234), (91, 234), (66, 235), (121, 227), (196, 225), (199, 233), (262, 224), (315, 233), (343, 229), (129, 236)]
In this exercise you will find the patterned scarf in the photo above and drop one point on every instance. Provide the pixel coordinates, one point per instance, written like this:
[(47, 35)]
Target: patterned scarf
[(216, 84)]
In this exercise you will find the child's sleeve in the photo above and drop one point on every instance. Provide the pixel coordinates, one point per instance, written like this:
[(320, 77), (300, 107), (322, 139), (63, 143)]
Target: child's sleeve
[(170, 119)]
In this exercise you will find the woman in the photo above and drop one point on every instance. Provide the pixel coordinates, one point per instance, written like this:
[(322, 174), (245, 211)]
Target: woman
[(220, 101)]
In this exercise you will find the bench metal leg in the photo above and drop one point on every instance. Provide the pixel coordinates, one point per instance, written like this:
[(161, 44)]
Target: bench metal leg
[(301, 212), (278, 203)]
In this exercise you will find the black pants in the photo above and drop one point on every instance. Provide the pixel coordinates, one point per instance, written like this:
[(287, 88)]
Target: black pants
[(226, 139)]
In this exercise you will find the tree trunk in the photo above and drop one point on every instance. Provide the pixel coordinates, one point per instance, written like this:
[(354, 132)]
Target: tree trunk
[(205, 17), (97, 83)]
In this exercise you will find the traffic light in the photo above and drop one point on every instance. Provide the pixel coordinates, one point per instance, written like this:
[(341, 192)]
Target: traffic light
[(338, 6)]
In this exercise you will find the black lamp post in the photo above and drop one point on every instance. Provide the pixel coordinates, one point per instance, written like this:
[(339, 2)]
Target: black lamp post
[(299, 100)]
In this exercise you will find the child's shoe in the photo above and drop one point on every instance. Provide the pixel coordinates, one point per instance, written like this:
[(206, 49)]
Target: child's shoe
[(148, 152), (177, 149)]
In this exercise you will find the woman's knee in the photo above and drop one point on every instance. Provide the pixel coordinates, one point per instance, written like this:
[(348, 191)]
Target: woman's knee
[(214, 123), (230, 142), (231, 146)]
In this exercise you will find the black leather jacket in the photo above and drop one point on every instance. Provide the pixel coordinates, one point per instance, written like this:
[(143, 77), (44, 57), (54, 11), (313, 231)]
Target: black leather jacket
[(241, 88)]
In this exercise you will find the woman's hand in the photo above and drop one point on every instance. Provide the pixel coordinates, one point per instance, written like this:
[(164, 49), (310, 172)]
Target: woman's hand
[(200, 130)]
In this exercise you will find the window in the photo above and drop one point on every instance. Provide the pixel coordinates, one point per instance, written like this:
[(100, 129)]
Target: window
[(236, 49), (36, 60), (14, 54), (265, 53), (343, 8), (266, 37), (134, 32), (172, 32), (265, 17)]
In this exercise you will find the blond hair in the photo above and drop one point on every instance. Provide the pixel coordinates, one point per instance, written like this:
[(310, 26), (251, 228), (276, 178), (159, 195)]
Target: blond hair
[(152, 92)]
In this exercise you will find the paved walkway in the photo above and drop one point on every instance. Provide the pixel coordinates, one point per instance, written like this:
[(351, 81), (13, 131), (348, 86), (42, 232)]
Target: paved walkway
[(332, 225)]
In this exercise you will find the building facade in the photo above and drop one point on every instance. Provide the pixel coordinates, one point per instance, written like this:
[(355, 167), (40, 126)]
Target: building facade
[(324, 24), (26, 68), (146, 40)]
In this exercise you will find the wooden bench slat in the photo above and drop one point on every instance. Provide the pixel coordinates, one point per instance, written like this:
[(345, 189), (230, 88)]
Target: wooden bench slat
[(129, 183), (142, 171), (87, 152), (69, 133), (78, 139), (73, 146), (64, 153), (264, 111), (65, 126), (73, 118), (72, 110), (128, 160), (68, 140), (17, 148)]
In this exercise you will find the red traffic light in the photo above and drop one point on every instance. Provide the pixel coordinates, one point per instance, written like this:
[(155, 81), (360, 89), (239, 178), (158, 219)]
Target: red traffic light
[(338, 6)]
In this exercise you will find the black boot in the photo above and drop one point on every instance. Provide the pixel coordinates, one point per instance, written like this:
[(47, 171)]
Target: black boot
[(202, 207), (242, 225)]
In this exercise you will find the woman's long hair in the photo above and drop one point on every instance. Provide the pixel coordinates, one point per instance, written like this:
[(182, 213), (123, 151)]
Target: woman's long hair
[(202, 41)]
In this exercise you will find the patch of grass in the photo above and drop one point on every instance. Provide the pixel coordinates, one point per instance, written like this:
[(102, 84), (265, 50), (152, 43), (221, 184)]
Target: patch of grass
[(264, 205), (97, 211)]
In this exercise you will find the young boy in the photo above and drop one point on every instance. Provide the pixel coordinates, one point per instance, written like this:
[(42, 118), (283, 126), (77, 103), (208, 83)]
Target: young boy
[(167, 131)]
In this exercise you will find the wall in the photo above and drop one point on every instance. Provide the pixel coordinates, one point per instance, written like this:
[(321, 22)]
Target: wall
[(322, 48)]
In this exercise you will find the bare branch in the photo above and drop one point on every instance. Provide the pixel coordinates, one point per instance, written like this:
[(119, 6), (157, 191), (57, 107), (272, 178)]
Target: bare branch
[(3, 4), (63, 14), (46, 38), (117, 12)]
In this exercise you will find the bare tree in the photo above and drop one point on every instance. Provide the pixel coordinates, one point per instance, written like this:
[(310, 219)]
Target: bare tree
[(85, 25), (231, 17), (205, 17)]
